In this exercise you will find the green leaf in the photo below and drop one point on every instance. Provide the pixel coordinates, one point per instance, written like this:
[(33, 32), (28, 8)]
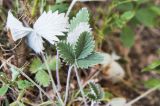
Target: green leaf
[(153, 66), (82, 16), (152, 83), (84, 46), (122, 20), (127, 37), (52, 63), (3, 90), (59, 1), (125, 7), (128, 15), (106, 96), (156, 9), (93, 59), (146, 17), (42, 78), (66, 52), (96, 92), (23, 84), (36, 65), (63, 7)]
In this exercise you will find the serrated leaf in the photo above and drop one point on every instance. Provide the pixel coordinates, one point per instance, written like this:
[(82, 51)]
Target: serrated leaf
[(42, 78), (152, 83), (36, 65), (23, 84), (82, 16), (66, 52), (96, 92), (84, 46), (3, 90), (153, 66), (93, 59)]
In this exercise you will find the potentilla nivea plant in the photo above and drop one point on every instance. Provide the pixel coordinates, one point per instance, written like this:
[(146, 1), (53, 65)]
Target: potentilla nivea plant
[(77, 50)]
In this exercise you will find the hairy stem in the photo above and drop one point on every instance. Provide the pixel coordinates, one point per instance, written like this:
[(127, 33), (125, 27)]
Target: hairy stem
[(70, 7), (57, 72), (142, 96), (67, 86), (80, 85), (53, 83)]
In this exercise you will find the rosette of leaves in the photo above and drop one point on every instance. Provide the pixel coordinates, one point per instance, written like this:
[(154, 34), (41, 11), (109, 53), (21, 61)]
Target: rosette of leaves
[(81, 53), (39, 69), (95, 93)]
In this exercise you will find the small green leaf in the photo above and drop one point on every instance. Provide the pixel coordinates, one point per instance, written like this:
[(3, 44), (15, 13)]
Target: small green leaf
[(128, 15), (59, 1), (3, 90), (153, 66), (66, 52), (106, 96), (156, 9), (42, 78), (36, 65), (146, 17), (96, 92), (52, 63), (59, 7), (93, 59), (82, 16), (23, 84), (127, 37), (152, 83), (84, 46)]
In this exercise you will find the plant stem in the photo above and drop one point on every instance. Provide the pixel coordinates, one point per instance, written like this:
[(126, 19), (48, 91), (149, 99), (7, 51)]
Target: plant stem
[(26, 76), (34, 8), (70, 7), (142, 96), (57, 72), (80, 85), (53, 83), (67, 86)]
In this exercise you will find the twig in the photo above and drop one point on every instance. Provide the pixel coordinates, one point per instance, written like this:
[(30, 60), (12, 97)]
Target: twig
[(80, 85), (142, 96), (26, 76), (53, 83), (67, 86), (57, 72)]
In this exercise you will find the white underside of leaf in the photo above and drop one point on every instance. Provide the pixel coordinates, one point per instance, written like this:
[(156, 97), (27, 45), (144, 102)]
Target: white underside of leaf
[(49, 25), (74, 35)]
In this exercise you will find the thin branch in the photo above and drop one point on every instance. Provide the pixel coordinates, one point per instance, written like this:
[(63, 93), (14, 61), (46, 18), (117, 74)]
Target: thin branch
[(26, 76), (57, 72), (142, 96), (70, 7), (80, 85), (50, 75), (67, 86)]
